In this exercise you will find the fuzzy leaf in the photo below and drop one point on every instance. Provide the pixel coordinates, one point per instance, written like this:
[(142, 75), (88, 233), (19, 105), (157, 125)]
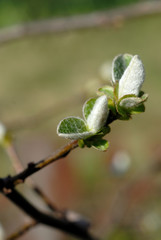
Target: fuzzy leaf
[(130, 102), (120, 63), (124, 114), (132, 79), (100, 144), (73, 128), (108, 90), (138, 109), (144, 97), (98, 116), (88, 106)]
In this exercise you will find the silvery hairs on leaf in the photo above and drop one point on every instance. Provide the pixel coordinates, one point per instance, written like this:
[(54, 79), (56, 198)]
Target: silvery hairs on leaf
[(73, 128), (98, 116), (119, 65), (95, 112), (133, 78)]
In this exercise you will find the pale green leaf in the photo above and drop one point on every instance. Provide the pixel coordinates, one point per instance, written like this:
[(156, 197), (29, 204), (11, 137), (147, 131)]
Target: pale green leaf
[(98, 116), (120, 63), (88, 106), (138, 109), (130, 102), (133, 78), (108, 90), (73, 128), (144, 97), (100, 144)]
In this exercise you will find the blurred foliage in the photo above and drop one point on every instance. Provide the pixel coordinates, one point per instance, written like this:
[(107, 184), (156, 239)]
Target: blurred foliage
[(17, 11)]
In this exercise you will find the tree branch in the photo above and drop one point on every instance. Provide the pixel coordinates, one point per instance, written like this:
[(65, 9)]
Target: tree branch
[(22, 230), (9, 182), (12, 153), (71, 227)]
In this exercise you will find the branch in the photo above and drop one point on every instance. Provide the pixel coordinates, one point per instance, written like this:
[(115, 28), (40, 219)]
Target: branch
[(9, 182), (22, 230), (12, 153), (100, 18), (71, 227)]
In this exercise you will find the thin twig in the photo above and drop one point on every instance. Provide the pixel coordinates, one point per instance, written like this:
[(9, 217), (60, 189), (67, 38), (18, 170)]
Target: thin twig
[(24, 229), (12, 153), (9, 182), (96, 19), (71, 227)]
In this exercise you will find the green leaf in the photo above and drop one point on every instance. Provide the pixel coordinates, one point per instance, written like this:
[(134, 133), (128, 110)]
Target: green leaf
[(144, 97), (133, 78), (119, 65), (100, 144), (108, 90), (88, 106), (138, 109), (130, 102), (81, 143), (116, 89), (124, 114), (103, 132), (97, 118), (73, 128)]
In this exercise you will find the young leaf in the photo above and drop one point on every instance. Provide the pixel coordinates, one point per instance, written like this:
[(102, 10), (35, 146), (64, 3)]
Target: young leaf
[(130, 102), (107, 90), (88, 106), (100, 144), (98, 116), (138, 109), (120, 63), (73, 128), (133, 78), (144, 97)]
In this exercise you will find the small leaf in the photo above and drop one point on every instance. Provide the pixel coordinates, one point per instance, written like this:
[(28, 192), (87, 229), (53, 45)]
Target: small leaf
[(81, 143), (73, 128), (103, 131), (108, 90), (130, 102), (116, 89), (88, 106), (144, 97), (98, 116), (133, 78), (120, 63), (124, 114), (138, 109), (100, 144)]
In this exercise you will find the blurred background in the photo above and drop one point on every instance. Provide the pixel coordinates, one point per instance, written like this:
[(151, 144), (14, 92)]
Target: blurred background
[(53, 57)]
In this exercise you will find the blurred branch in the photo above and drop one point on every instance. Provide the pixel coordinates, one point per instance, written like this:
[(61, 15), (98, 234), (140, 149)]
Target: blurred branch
[(9, 182), (12, 153), (76, 226), (22, 230), (68, 222), (71, 227), (111, 17)]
